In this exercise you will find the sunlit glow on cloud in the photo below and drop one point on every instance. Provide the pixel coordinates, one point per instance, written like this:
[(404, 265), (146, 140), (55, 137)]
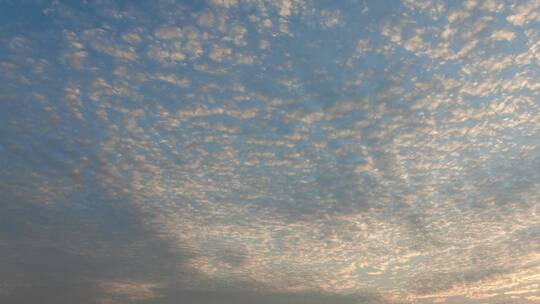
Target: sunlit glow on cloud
[(232, 151)]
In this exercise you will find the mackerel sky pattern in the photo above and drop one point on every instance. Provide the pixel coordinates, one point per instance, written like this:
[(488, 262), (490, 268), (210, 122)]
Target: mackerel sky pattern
[(272, 152)]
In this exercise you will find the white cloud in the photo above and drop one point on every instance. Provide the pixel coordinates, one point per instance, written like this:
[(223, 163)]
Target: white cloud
[(330, 18), (173, 79), (167, 55), (503, 35), (220, 53), (224, 3), (99, 40), (524, 13)]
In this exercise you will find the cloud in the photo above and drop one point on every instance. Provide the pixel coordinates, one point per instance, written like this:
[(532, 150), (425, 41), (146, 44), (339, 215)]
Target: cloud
[(524, 13), (503, 35), (98, 39), (224, 3), (330, 18), (166, 55), (235, 151), (177, 45), (72, 98), (172, 79), (131, 291), (219, 53)]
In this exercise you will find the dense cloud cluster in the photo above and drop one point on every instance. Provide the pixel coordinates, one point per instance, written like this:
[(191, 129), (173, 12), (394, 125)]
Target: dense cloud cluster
[(233, 151)]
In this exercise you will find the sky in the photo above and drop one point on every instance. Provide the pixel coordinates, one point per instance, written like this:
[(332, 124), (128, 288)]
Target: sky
[(271, 152)]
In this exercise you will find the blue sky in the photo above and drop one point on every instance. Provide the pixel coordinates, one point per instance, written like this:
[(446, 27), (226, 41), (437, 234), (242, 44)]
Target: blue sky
[(288, 151)]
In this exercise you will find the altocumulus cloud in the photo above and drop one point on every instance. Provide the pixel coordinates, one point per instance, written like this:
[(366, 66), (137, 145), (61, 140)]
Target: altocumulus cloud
[(292, 151)]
